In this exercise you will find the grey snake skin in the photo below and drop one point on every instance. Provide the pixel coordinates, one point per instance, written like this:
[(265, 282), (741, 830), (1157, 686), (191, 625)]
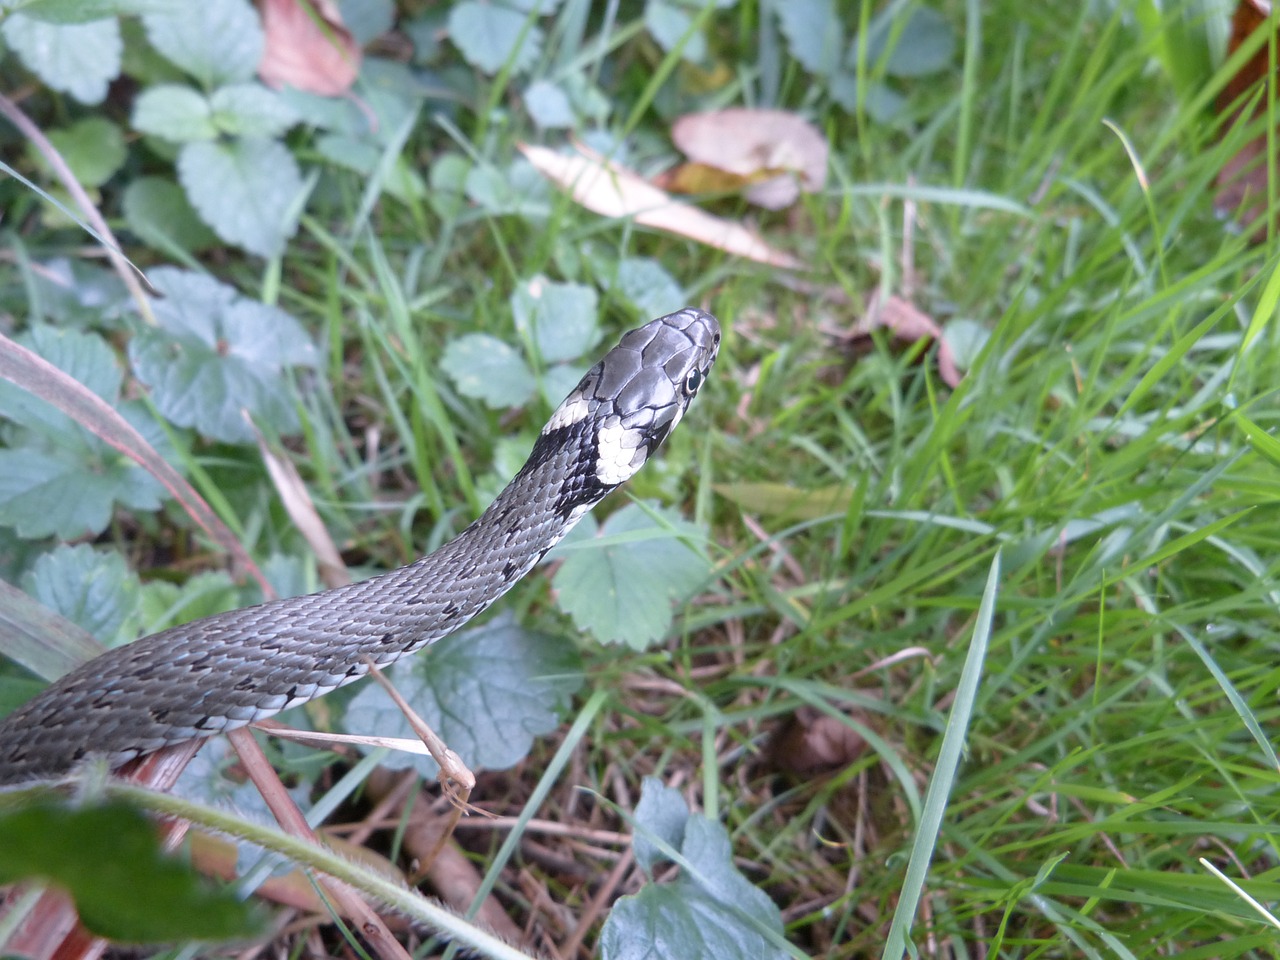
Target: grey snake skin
[(225, 671)]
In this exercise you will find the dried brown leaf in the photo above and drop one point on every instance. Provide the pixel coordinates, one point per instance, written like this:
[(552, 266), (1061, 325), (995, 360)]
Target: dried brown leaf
[(813, 742), (613, 191), (908, 322), (776, 152), (307, 47)]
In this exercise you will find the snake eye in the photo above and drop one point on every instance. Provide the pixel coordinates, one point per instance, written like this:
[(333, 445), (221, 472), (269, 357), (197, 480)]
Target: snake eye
[(692, 382)]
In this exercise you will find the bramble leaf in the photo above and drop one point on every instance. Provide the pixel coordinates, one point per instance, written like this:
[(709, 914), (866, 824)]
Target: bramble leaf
[(56, 478), (215, 41), (79, 59), (214, 353), (623, 591), (487, 691), (174, 112), (245, 189), (488, 369), (251, 110), (92, 589)]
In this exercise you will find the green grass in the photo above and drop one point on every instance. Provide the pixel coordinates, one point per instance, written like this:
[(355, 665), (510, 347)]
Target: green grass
[(1100, 444)]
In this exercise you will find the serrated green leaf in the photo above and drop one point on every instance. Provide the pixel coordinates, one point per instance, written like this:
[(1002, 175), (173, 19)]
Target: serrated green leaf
[(668, 24), (94, 590), (709, 911), (69, 493), (661, 813), (93, 148), (79, 59), (489, 36), (215, 41), (57, 478), (488, 369), (487, 691), (251, 110), (214, 353), (174, 112), (85, 356), (623, 591), (813, 33), (245, 189), (645, 284), (159, 213), (108, 858), (561, 318)]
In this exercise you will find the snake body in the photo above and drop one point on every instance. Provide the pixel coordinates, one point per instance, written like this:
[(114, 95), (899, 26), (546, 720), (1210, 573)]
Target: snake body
[(232, 669)]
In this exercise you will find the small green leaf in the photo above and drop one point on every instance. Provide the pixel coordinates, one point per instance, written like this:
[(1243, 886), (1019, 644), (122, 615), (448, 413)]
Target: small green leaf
[(56, 478), (561, 318), (108, 858), (519, 190), (661, 813), (645, 284), (215, 41), (668, 24), (159, 213), (245, 189), (214, 353), (711, 910), (92, 589), (487, 35), (174, 112), (487, 691), (623, 591), (924, 45), (93, 148), (813, 33), (488, 369), (367, 19), (251, 110), (79, 59), (548, 105)]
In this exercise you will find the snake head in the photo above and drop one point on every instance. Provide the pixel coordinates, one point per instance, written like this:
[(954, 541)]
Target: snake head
[(628, 402)]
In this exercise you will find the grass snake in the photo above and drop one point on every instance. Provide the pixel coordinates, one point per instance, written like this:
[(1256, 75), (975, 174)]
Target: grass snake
[(211, 675)]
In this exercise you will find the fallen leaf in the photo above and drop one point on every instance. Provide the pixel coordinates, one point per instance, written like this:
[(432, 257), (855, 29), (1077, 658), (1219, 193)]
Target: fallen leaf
[(307, 47), (775, 153), (812, 742), (907, 322), (1242, 181), (610, 190)]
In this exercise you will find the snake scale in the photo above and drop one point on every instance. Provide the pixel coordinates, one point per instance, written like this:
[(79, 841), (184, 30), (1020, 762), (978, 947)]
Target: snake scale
[(212, 675)]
